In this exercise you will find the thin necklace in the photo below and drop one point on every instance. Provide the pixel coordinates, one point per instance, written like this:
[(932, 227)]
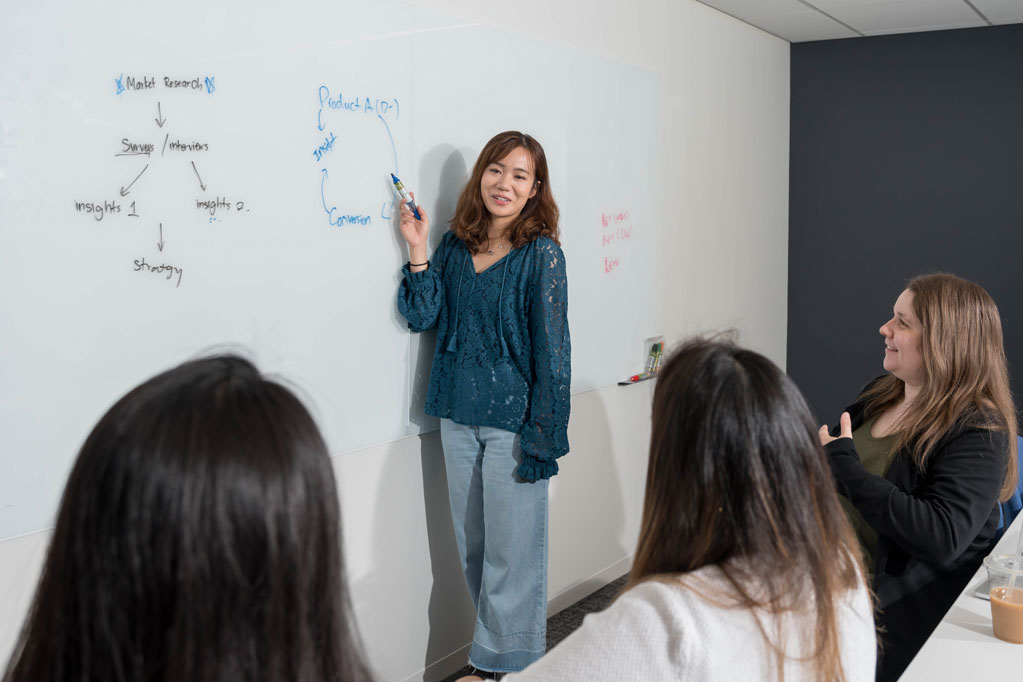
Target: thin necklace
[(499, 247)]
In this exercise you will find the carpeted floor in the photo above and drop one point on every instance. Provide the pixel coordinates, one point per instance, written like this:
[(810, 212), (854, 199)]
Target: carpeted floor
[(563, 623)]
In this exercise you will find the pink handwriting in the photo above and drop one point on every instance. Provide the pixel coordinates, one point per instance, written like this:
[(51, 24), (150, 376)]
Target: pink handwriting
[(617, 235), (617, 228), (608, 218)]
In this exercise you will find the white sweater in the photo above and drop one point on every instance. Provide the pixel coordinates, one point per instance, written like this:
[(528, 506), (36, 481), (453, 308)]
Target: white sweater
[(661, 631)]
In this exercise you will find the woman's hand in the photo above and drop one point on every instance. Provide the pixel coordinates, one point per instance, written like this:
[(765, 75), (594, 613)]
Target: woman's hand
[(846, 426), (414, 231)]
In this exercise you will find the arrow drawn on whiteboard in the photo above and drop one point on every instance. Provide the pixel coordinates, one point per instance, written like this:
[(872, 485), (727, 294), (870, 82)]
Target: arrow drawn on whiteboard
[(197, 175), (160, 120), (124, 190), (323, 196), (391, 138), (159, 244)]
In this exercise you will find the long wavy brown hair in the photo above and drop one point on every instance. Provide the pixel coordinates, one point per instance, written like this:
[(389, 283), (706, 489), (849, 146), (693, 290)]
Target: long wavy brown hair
[(539, 217), (737, 479), (966, 375)]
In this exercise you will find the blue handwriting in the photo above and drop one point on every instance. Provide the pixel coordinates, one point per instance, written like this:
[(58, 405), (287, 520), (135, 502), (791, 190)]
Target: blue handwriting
[(339, 219), (357, 104), (328, 144)]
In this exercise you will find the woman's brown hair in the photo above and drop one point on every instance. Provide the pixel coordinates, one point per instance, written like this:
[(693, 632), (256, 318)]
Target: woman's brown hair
[(737, 479), (539, 217), (966, 375)]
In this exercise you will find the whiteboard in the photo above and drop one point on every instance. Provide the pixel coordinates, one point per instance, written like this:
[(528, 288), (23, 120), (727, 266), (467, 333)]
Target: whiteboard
[(210, 176)]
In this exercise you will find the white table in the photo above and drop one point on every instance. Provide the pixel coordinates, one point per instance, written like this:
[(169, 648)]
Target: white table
[(963, 647)]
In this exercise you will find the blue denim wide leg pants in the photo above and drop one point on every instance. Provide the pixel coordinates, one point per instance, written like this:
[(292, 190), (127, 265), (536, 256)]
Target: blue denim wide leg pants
[(501, 530)]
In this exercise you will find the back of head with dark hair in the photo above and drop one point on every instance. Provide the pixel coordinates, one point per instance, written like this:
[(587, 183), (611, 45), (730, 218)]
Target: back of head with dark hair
[(737, 478), (198, 539)]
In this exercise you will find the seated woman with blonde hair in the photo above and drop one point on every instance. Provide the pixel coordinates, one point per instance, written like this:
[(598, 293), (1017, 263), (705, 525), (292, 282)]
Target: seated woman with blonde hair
[(925, 453), (746, 567)]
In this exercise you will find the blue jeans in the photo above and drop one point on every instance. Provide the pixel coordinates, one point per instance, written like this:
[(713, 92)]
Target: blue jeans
[(501, 531)]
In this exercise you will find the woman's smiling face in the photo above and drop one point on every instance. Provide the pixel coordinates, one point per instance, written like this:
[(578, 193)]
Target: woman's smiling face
[(902, 334), (507, 184)]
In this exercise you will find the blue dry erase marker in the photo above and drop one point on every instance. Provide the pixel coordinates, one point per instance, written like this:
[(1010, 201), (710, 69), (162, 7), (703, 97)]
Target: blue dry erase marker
[(405, 197)]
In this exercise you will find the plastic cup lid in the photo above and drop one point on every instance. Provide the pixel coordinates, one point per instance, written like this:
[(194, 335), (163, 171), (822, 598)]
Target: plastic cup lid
[(1006, 563)]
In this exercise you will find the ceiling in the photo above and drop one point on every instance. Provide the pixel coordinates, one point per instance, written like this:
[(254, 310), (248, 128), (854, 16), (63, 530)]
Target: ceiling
[(801, 20)]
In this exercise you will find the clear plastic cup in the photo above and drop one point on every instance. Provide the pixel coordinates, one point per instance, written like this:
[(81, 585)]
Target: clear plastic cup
[(1005, 576)]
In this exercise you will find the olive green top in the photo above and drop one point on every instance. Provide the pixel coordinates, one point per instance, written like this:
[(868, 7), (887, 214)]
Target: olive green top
[(875, 455)]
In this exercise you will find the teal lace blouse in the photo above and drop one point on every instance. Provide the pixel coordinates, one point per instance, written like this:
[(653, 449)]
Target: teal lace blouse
[(503, 355)]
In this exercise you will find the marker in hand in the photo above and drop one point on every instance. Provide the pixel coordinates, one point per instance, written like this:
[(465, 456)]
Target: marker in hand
[(405, 197)]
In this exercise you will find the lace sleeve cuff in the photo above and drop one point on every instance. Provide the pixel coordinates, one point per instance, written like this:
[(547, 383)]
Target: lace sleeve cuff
[(533, 469)]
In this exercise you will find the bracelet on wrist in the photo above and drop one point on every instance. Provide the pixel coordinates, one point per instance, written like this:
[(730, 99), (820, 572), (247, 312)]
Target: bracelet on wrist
[(416, 265)]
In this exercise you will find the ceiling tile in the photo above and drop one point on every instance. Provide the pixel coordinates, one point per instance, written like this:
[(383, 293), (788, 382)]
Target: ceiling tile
[(1001, 11), (791, 20), (802, 25), (897, 16), (797, 21), (741, 8)]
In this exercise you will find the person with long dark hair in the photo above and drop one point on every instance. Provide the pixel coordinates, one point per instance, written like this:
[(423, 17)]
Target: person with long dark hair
[(924, 454), (496, 291), (198, 538), (746, 568)]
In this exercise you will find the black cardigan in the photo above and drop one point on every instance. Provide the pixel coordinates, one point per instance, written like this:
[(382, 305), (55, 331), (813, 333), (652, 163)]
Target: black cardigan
[(934, 527)]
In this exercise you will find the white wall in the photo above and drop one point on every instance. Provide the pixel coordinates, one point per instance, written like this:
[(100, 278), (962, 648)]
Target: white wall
[(724, 168)]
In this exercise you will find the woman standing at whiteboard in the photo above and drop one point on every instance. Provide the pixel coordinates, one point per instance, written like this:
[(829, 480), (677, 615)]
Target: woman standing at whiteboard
[(495, 290)]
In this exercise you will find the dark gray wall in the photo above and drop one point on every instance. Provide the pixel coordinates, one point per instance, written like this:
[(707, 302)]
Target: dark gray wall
[(906, 157)]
